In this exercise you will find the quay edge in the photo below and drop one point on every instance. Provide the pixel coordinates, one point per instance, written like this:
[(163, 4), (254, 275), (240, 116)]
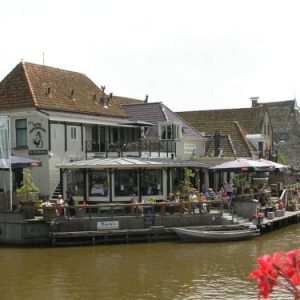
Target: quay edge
[(15, 230)]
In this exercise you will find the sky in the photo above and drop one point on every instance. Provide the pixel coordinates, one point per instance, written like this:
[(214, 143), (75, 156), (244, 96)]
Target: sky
[(189, 54)]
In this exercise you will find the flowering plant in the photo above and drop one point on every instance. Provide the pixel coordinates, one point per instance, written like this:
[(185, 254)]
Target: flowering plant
[(281, 269)]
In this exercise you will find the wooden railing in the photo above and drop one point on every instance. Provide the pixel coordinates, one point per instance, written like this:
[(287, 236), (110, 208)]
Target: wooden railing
[(129, 209), (137, 147)]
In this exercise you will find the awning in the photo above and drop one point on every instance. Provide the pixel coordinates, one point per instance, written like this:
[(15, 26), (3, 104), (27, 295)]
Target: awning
[(126, 163), (59, 116), (19, 162), (243, 165), (275, 165)]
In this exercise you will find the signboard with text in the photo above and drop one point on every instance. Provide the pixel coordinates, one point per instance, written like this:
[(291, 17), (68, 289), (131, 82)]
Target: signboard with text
[(107, 225), (37, 136), (189, 149)]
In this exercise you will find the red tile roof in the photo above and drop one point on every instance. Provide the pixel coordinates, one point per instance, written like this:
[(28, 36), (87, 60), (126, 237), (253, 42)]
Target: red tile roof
[(38, 86), (235, 123)]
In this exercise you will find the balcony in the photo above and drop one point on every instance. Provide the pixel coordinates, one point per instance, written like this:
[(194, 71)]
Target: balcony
[(144, 148)]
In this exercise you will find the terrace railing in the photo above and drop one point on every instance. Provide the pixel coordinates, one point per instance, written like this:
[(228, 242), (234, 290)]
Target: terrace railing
[(138, 148), (130, 209)]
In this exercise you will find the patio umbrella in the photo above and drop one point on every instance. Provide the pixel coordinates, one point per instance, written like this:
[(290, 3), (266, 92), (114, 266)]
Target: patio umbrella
[(274, 165), (242, 165)]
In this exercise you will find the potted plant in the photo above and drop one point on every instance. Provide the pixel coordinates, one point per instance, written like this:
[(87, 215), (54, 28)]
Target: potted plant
[(186, 183), (293, 204), (27, 195)]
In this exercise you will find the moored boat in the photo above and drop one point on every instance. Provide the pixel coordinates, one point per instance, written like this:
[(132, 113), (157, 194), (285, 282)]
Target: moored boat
[(196, 235)]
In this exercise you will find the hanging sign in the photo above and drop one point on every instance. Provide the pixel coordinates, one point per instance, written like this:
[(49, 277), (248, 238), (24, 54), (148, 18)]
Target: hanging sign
[(37, 136)]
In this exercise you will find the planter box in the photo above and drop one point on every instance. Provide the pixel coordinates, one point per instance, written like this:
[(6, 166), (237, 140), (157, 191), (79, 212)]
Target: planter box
[(279, 213), (49, 214)]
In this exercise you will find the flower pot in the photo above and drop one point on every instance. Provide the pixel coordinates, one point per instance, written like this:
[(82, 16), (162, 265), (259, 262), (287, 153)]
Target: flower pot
[(28, 209)]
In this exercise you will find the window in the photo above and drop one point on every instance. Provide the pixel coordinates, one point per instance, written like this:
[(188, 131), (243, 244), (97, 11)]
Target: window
[(75, 182), (98, 183), (126, 182), (21, 132), (261, 149), (73, 133), (114, 135), (170, 131), (151, 182)]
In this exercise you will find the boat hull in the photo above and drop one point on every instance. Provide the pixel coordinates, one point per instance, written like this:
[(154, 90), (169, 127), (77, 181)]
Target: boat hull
[(191, 235)]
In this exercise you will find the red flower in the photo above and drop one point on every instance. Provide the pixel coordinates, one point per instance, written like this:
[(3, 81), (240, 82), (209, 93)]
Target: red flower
[(281, 269)]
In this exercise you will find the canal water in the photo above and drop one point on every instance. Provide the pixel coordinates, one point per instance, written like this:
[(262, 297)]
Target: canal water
[(171, 270)]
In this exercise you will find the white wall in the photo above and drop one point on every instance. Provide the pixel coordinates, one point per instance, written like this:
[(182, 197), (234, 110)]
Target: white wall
[(40, 175), (59, 154), (189, 149)]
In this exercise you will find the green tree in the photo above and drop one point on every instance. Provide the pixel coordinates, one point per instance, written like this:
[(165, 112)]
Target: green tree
[(186, 183), (28, 187)]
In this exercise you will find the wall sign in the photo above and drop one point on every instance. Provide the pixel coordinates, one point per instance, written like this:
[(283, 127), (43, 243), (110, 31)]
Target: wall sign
[(107, 225), (37, 135), (189, 149)]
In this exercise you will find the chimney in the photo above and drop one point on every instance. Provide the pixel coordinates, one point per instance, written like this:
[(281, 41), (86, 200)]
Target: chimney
[(254, 101), (217, 137), (146, 99)]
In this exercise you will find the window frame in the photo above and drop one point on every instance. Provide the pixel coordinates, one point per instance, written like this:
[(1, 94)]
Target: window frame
[(169, 131), (73, 133), (22, 131)]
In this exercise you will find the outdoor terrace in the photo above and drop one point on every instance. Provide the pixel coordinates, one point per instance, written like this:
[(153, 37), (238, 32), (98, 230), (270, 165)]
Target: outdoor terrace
[(152, 148)]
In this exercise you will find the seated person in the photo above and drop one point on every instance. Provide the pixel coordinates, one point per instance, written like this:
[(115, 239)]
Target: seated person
[(170, 207), (138, 208), (203, 208), (210, 193), (177, 198), (193, 198), (224, 197)]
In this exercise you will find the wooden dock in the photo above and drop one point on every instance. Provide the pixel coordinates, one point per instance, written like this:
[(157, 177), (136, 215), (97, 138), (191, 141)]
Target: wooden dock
[(156, 233), (290, 217), (94, 228), (125, 229), (152, 234)]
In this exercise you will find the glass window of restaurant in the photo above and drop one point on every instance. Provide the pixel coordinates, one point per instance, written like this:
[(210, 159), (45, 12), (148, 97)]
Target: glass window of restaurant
[(126, 182), (75, 182), (98, 183), (151, 182), (177, 179)]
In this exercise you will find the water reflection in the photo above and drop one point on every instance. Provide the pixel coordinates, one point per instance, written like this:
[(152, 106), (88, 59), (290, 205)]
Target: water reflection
[(140, 271)]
